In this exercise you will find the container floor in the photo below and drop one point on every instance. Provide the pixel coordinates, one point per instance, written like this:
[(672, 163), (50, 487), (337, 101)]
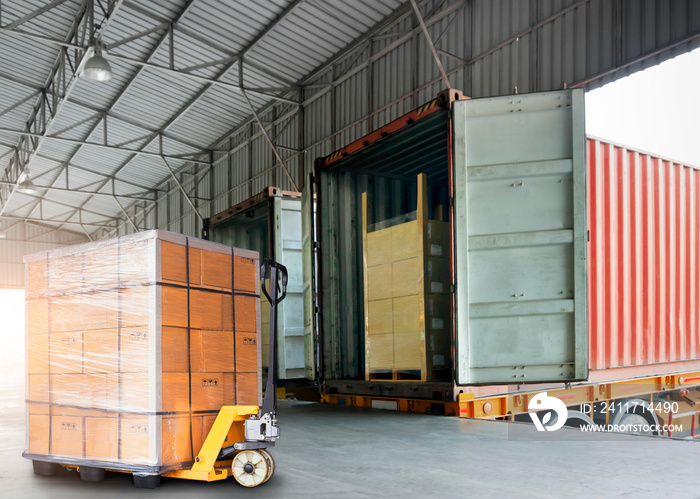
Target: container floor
[(329, 451)]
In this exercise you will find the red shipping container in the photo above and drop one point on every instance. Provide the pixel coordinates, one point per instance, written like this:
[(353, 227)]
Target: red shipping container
[(643, 255)]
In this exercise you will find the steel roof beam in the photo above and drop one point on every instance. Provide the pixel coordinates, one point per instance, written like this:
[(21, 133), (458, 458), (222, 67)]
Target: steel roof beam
[(110, 114), (34, 14), (132, 197), (62, 70), (65, 222), (125, 88), (135, 152)]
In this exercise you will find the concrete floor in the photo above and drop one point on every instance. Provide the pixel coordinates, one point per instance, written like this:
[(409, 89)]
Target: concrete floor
[(343, 452)]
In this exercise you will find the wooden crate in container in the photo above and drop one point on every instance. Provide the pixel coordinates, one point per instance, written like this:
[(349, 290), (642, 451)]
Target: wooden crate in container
[(407, 295), (133, 346)]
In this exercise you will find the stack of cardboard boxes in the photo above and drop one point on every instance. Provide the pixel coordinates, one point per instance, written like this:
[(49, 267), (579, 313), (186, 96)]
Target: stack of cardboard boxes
[(135, 343), (407, 295)]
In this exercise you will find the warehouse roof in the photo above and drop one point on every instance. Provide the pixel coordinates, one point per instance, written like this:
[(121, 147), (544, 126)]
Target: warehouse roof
[(185, 73)]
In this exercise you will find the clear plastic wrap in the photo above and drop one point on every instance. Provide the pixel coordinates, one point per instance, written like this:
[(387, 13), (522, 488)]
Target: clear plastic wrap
[(133, 346), (407, 296)]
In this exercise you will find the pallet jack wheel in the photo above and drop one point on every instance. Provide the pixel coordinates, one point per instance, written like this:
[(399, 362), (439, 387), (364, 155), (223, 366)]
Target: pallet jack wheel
[(90, 474), (271, 462), (250, 468), (143, 481), (43, 468)]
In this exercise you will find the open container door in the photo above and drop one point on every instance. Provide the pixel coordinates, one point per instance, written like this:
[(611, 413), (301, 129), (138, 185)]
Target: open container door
[(307, 244), (520, 239), (288, 252)]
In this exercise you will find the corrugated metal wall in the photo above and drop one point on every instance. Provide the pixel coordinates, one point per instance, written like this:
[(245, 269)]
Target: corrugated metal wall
[(644, 250), (488, 47)]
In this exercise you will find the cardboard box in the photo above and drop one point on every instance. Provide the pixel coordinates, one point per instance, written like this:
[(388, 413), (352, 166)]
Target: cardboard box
[(67, 437), (66, 352), (407, 295), (211, 351), (102, 438), (37, 317), (101, 351)]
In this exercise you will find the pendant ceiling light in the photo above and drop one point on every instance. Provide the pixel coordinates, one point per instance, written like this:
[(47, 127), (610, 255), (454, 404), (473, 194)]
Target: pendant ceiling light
[(97, 67)]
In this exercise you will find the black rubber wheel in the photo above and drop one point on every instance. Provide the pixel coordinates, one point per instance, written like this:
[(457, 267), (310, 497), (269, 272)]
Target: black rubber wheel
[(90, 474), (45, 469), (146, 481)]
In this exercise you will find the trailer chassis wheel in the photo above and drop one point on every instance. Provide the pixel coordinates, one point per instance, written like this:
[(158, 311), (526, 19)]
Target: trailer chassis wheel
[(633, 413), (250, 468)]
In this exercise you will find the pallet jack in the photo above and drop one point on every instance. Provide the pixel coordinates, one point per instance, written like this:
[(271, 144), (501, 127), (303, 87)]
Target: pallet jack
[(253, 429), (248, 460)]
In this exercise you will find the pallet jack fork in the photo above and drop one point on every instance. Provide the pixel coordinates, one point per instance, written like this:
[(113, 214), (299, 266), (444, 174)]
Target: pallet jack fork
[(248, 460)]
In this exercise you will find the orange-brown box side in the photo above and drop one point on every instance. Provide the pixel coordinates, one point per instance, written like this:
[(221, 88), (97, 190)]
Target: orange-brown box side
[(67, 436), (66, 352), (102, 438), (201, 424), (38, 389), (245, 274), (134, 391), (172, 262), (38, 434), (37, 316), (176, 392), (101, 266), (216, 269), (227, 312), (177, 446), (195, 267), (246, 352), (208, 391), (89, 391), (174, 307), (100, 351), (133, 350), (246, 313), (135, 442), (83, 311), (38, 353), (174, 349), (137, 260), (206, 310), (42, 409), (211, 351), (247, 389), (133, 306), (65, 271), (37, 279)]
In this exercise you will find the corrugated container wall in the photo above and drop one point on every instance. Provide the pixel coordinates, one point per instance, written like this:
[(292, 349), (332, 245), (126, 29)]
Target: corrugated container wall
[(643, 258)]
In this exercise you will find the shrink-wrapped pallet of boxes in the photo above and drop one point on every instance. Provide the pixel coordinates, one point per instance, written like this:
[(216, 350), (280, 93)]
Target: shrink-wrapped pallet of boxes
[(133, 346)]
